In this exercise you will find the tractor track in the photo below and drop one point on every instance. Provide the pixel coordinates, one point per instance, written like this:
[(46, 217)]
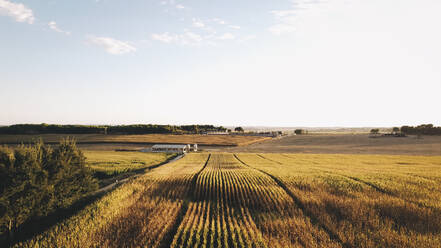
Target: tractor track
[(377, 188), (361, 181), (299, 203), (260, 155)]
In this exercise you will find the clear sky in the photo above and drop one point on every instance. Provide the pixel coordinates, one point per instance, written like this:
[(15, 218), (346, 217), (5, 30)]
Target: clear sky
[(222, 62)]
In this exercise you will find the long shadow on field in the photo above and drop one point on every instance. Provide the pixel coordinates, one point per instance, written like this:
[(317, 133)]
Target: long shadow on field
[(35, 227), (221, 202), (246, 194), (406, 213), (168, 238), (411, 215), (300, 204)]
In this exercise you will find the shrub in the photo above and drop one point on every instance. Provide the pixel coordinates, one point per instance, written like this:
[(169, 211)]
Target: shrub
[(300, 131)]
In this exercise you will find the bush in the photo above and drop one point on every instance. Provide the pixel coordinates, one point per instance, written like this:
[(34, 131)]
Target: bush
[(300, 131), (36, 180)]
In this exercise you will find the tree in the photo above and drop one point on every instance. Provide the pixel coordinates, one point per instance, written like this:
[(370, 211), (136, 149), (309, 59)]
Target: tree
[(23, 187), (375, 131), (299, 131), (395, 129), (424, 129), (239, 129), (36, 180)]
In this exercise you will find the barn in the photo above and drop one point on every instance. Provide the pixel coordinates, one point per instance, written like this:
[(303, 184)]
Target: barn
[(170, 148)]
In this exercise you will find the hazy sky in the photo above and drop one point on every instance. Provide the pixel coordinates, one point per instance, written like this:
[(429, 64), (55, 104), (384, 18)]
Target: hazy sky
[(246, 62)]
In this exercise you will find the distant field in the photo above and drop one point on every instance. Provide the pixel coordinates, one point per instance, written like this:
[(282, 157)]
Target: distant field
[(111, 162), (348, 144), (266, 200), (216, 140)]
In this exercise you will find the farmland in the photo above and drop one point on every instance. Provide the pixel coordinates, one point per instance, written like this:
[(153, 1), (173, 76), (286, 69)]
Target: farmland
[(111, 162), (265, 200), (110, 166), (142, 139), (348, 143)]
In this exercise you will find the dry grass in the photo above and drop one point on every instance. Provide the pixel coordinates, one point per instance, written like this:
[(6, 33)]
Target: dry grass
[(217, 140)]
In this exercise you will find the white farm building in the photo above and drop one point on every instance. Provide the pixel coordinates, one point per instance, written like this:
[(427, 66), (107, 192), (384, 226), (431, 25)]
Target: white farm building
[(170, 148), (173, 148)]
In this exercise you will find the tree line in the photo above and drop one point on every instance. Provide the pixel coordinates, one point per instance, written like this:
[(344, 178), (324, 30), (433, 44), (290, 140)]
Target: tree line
[(36, 180), (107, 129), (424, 129)]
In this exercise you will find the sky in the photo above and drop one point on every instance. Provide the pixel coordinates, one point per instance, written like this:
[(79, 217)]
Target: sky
[(318, 63)]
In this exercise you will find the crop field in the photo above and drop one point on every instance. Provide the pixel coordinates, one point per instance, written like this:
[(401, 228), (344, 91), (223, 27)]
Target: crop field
[(265, 200), (363, 200), (215, 140), (337, 143), (142, 213), (111, 162)]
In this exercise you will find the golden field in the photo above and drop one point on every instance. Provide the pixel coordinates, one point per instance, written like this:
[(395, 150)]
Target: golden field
[(111, 162), (265, 200)]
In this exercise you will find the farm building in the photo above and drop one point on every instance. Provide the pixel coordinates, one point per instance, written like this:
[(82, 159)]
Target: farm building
[(215, 133), (172, 148)]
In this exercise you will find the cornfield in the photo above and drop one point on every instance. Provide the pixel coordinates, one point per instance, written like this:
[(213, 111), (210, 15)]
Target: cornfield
[(266, 200)]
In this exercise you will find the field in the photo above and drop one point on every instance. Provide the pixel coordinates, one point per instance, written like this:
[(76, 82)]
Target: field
[(112, 163), (265, 200), (145, 139), (347, 144)]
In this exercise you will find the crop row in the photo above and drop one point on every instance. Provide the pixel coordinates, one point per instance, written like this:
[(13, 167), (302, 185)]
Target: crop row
[(237, 206), (366, 201), (265, 200), (142, 213)]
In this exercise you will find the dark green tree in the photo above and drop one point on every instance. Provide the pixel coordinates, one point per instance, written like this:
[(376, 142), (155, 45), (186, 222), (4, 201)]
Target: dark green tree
[(23, 187), (375, 131), (238, 129), (68, 173), (299, 131), (36, 180)]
